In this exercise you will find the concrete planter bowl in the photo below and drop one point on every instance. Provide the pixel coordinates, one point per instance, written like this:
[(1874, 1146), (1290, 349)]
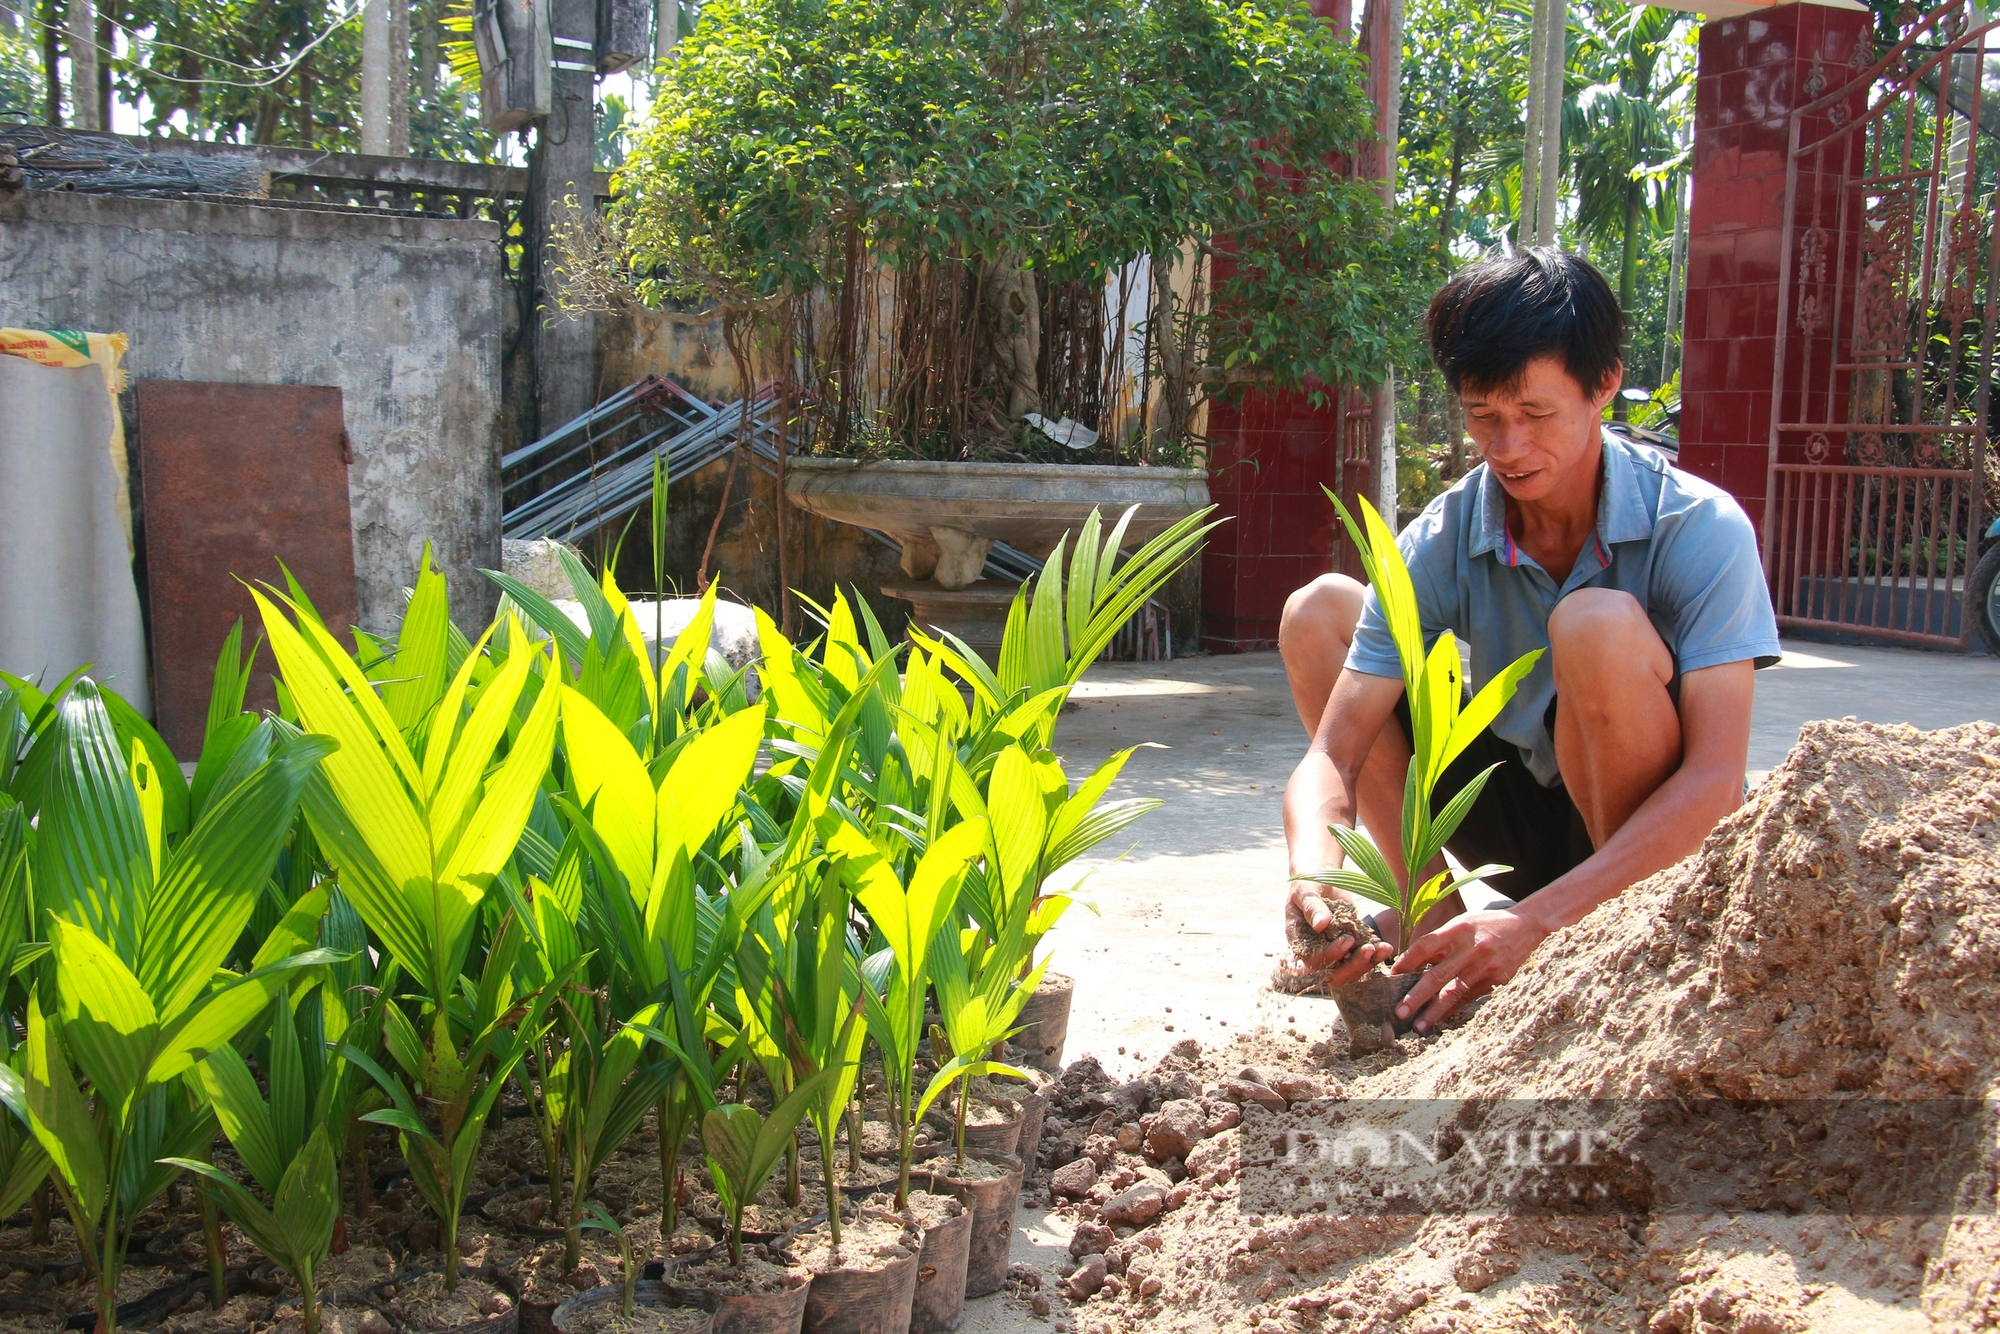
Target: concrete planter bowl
[(949, 515)]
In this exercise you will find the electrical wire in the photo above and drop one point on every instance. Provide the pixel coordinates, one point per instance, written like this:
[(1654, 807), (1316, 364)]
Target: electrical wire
[(284, 69)]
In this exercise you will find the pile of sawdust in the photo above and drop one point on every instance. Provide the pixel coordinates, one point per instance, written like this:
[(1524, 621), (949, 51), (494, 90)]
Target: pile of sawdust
[(1836, 939)]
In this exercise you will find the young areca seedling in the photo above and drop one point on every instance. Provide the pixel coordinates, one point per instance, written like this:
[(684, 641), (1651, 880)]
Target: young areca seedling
[(742, 1148), (601, 1221), (295, 1166), (909, 919), (140, 931), (979, 1005), (421, 809), (1442, 725)]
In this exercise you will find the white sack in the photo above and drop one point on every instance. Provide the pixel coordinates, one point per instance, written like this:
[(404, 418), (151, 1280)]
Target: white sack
[(66, 592)]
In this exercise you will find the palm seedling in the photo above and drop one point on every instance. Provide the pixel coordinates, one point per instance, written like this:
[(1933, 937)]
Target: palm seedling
[(596, 1087), (140, 931), (1442, 725), (602, 1221), (420, 828), (978, 1005), (653, 830), (1054, 634), (798, 990), (284, 1141), (646, 839), (908, 918), (742, 1148), (650, 712)]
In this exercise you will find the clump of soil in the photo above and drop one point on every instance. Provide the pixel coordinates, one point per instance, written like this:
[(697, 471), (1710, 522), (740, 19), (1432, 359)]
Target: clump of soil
[(421, 1303), (757, 1275), (288, 1320), (348, 1276), (541, 1279), (925, 1209), (1367, 1003), (525, 1208), (607, 1319), (1833, 945), (866, 1242), (1304, 940), (766, 1216), (968, 1169)]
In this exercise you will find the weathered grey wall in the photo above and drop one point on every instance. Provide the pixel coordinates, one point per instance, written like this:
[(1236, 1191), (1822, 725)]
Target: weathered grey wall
[(685, 348), (406, 315)]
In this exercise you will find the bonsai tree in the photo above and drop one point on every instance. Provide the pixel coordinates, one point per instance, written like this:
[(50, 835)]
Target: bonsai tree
[(979, 155), (1442, 725)]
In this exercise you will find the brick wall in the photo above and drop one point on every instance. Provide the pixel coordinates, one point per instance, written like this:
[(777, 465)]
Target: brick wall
[(1752, 72)]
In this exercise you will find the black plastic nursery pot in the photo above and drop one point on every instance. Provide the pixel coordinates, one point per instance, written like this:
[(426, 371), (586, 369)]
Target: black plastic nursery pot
[(1044, 1022), (1368, 1009), (992, 1195), (781, 1311), (867, 1293), (1002, 1136), (692, 1316), (1034, 1098), (940, 1295)]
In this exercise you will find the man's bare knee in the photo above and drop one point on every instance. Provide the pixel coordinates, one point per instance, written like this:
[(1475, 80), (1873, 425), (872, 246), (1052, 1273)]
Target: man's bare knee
[(1603, 624), (1324, 611), (1601, 635)]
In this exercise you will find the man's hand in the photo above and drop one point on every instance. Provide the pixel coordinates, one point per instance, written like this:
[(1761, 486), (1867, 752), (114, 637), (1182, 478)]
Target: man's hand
[(1468, 957), (1305, 911)]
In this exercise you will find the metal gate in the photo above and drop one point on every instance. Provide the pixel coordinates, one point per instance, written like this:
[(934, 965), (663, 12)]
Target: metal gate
[(1879, 445)]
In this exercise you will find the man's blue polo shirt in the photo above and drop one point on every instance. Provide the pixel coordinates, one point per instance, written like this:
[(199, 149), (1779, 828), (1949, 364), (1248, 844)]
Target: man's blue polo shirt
[(1683, 548)]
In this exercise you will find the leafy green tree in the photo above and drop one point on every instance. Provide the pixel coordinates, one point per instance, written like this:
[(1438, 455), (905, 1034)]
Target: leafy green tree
[(1464, 77), (21, 83), (1624, 137), (793, 144)]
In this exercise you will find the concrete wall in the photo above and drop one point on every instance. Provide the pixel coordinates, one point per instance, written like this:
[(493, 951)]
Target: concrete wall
[(821, 555), (406, 315), (688, 349)]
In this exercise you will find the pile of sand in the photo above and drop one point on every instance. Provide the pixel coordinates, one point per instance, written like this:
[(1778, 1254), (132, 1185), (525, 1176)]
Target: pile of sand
[(1836, 939)]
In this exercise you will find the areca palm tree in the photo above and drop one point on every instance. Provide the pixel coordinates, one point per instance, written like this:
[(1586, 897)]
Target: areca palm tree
[(1623, 134)]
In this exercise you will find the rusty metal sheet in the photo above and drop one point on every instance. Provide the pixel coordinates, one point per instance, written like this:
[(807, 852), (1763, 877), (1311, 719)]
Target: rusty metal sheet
[(236, 478)]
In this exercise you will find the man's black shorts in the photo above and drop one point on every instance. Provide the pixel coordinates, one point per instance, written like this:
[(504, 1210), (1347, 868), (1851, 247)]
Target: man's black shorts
[(1516, 821)]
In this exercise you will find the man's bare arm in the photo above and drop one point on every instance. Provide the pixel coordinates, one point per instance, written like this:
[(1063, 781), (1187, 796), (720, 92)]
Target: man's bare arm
[(1476, 952), (1324, 790)]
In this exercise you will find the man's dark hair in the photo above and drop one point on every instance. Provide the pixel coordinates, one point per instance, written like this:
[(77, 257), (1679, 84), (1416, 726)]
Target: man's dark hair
[(1497, 315)]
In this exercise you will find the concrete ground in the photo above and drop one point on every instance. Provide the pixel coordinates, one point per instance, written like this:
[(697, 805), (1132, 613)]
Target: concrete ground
[(1186, 924)]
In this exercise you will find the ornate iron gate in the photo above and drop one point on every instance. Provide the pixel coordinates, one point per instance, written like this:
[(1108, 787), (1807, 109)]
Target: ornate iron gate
[(1879, 445)]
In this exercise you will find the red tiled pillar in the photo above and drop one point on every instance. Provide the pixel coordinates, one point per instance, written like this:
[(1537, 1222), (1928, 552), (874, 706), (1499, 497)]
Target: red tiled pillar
[(1752, 72)]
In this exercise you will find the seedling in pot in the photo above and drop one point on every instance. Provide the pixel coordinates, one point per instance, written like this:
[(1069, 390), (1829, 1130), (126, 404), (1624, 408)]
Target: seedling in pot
[(287, 1142), (909, 920), (979, 1011), (604, 1222), (742, 1148), (798, 994), (421, 808), (1442, 725), (141, 929)]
